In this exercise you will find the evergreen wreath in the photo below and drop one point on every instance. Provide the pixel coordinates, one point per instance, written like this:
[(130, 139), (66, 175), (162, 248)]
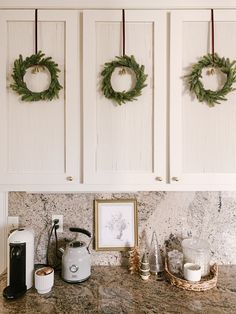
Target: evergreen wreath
[(212, 62), (38, 62), (123, 62)]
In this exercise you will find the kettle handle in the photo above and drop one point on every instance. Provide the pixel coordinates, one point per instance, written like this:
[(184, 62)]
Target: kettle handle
[(80, 230)]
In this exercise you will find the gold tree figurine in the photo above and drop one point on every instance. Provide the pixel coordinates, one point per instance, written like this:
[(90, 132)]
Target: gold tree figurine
[(134, 260)]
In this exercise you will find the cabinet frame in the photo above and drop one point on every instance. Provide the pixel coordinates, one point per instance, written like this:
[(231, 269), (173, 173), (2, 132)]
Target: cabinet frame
[(91, 175), (71, 106), (202, 180)]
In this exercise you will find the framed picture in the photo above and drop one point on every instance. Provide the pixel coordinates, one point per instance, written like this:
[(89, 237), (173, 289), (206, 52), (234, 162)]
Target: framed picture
[(116, 225)]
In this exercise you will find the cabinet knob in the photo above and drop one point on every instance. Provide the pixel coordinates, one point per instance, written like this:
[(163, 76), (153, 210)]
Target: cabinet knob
[(69, 178), (175, 178), (159, 178)]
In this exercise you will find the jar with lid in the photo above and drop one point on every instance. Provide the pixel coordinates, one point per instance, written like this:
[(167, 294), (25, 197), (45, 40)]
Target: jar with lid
[(197, 251)]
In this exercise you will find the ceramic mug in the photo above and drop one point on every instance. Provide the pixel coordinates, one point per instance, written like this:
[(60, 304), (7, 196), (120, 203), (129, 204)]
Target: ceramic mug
[(192, 272), (44, 279)]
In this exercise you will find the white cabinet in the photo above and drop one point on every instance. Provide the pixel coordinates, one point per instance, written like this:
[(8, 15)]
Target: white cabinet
[(86, 138), (124, 144), (39, 141), (202, 139)]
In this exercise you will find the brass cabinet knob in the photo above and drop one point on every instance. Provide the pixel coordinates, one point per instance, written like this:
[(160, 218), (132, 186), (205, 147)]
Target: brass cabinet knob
[(159, 178), (175, 178), (69, 178)]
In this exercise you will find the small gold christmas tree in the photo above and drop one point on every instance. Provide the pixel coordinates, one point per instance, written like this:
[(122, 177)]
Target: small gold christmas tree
[(134, 260)]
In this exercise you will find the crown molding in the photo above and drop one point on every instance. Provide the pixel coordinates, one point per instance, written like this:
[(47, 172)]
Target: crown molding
[(114, 4)]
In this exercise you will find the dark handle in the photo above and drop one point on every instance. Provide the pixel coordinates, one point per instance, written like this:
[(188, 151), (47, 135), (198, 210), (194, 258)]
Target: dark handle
[(80, 230)]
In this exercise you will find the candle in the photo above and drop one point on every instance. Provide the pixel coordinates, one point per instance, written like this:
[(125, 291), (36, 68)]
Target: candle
[(192, 272)]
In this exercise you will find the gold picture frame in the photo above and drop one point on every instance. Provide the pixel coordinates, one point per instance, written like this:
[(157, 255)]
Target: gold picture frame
[(116, 224)]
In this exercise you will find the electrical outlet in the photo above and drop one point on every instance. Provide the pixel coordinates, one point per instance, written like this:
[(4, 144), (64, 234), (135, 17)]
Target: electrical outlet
[(60, 223), (12, 223)]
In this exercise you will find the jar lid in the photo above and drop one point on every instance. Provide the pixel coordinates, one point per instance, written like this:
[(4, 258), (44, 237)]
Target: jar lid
[(196, 244)]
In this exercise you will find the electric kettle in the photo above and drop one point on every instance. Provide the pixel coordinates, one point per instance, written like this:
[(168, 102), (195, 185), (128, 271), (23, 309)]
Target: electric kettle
[(76, 259)]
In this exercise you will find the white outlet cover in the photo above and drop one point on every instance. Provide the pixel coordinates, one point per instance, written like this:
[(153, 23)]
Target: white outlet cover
[(12, 222)]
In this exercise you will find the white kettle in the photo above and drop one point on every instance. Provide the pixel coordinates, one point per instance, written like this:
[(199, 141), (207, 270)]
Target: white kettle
[(76, 259)]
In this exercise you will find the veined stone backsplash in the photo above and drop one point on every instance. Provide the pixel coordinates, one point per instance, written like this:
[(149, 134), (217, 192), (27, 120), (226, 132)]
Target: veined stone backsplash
[(173, 215)]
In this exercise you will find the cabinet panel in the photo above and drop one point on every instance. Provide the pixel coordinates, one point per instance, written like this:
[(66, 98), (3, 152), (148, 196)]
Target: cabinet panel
[(124, 144), (203, 139), (40, 140)]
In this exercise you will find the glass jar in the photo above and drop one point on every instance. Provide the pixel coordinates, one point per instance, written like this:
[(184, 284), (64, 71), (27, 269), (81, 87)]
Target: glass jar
[(197, 251), (175, 261)]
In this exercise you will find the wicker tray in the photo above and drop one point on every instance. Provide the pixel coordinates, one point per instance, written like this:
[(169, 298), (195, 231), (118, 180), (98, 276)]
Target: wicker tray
[(206, 283)]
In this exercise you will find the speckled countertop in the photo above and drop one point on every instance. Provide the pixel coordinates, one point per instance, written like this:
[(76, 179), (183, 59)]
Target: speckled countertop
[(113, 290)]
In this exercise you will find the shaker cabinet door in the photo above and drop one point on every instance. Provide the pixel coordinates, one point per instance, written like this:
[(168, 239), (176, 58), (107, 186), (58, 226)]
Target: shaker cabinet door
[(124, 144), (39, 140), (202, 138)]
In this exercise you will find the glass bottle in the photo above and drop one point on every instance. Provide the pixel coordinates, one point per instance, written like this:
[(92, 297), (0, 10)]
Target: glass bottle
[(155, 259)]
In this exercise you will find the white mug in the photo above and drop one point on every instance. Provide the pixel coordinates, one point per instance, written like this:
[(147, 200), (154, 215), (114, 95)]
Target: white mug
[(44, 279), (192, 272)]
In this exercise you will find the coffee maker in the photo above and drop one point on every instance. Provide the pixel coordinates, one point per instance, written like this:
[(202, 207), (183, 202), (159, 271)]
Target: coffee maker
[(20, 264)]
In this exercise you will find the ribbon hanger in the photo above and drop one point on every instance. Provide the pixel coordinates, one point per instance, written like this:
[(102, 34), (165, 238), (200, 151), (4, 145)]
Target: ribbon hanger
[(123, 31), (36, 31), (212, 35)]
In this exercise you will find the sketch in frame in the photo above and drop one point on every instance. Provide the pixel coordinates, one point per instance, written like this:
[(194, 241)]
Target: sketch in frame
[(116, 226)]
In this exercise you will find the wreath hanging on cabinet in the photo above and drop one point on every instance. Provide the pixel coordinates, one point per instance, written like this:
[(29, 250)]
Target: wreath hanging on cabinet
[(124, 63), (212, 62), (38, 63)]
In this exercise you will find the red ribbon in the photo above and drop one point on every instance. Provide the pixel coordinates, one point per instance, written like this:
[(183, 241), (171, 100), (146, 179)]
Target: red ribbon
[(212, 35), (36, 31), (123, 30)]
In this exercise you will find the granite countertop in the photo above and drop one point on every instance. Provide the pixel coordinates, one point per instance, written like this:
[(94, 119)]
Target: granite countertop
[(113, 290)]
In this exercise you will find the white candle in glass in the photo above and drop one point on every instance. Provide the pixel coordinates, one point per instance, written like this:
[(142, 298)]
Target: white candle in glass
[(192, 272)]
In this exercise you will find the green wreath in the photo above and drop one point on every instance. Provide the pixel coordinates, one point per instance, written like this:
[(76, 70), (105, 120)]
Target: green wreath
[(38, 62), (196, 86), (123, 62)]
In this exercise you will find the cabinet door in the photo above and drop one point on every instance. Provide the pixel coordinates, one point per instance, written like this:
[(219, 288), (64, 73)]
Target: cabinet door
[(124, 144), (39, 140), (202, 139)]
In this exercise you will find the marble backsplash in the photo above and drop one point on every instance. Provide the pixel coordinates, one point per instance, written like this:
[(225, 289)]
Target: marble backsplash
[(173, 215)]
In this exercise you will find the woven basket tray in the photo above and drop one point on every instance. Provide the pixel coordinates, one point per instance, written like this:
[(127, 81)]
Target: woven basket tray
[(204, 284)]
